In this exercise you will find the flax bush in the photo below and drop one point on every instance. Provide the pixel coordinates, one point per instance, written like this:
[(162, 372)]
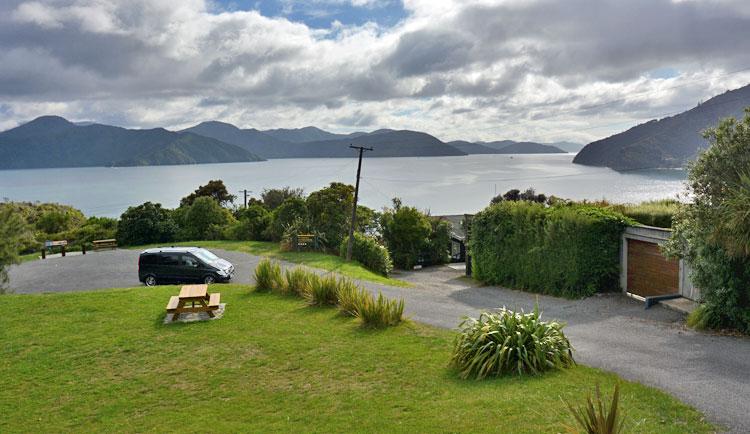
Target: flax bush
[(268, 276), (596, 417), (508, 342)]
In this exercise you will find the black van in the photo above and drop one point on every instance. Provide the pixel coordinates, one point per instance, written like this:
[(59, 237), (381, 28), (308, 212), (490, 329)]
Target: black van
[(182, 264)]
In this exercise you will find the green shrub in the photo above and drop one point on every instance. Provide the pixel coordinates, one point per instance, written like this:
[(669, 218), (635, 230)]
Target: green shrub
[(380, 312), (330, 211), (437, 249), (323, 291), (205, 219), (349, 296), (509, 343), (251, 224), (368, 252), (145, 224), (657, 213), (595, 418), (570, 250), (268, 276), (297, 281)]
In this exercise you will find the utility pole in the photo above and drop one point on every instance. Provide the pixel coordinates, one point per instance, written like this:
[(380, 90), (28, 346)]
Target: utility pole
[(349, 243), (245, 192)]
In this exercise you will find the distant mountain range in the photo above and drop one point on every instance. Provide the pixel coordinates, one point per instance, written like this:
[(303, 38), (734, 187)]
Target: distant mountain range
[(668, 142), (52, 141)]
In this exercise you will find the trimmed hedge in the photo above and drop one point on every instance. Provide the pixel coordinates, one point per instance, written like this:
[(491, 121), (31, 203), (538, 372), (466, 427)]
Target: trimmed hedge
[(368, 252), (570, 250), (657, 213)]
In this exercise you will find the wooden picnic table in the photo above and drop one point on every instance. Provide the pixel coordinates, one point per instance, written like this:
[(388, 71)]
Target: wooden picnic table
[(190, 295)]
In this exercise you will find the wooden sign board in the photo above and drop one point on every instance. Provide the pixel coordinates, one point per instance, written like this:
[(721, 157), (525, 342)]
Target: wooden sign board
[(55, 243)]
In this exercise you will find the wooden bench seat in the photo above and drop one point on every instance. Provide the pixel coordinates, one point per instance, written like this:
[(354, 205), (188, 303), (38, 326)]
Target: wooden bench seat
[(213, 300), (174, 301), (104, 244)]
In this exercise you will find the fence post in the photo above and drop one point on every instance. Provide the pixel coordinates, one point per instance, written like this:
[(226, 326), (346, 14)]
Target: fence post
[(44, 253), (83, 248), (62, 252)]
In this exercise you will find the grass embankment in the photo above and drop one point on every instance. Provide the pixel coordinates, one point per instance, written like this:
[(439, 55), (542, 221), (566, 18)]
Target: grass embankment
[(324, 261), (103, 361)]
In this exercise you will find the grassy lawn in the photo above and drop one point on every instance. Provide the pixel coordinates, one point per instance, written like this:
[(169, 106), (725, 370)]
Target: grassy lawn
[(103, 361), (312, 259)]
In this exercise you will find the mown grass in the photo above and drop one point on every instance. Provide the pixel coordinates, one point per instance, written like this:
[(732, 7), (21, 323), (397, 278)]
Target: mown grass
[(324, 261), (103, 361)]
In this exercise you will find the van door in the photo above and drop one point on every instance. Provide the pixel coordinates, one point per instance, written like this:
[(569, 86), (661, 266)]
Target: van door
[(170, 266), (192, 269)]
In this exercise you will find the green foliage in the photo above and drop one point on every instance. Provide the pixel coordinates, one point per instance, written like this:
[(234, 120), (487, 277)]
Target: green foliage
[(251, 224), (570, 250), (13, 231), (205, 219), (95, 228), (323, 291), (284, 215), (406, 232), (509, 342), (437, 249), (297, 281), (268, 276), (380, 312), (59, 220), (329, 210), (658, 213), (274, 197), (713, 232), (368, 221), (349, 296), (215, 190), (367, 251), (595, 418), (145, 224)]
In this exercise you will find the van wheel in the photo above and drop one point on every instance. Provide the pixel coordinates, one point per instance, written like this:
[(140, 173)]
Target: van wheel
[(150, 280), (209, 280)]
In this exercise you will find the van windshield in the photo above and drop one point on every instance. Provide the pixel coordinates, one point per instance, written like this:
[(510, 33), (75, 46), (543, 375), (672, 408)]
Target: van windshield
[(205, 256)]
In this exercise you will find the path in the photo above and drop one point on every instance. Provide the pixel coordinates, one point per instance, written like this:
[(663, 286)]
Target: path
[(611, 332)]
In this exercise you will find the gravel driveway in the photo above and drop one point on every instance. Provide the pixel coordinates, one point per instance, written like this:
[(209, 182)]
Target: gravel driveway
[(611, 332)]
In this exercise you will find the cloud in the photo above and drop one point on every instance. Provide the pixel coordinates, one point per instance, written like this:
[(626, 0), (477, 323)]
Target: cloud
[(538, 69)]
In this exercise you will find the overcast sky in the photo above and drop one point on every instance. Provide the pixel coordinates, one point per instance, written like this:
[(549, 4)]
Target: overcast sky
[(515, 69)]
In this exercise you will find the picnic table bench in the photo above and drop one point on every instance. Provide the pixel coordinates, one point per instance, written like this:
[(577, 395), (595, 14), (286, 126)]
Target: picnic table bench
[(104, 244), (190, 295)]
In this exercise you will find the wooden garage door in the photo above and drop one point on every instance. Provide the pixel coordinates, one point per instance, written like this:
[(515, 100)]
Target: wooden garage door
[(649, 272)]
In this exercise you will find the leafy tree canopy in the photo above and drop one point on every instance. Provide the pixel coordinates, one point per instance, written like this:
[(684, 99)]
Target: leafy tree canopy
[(274, 197), (215, 189)]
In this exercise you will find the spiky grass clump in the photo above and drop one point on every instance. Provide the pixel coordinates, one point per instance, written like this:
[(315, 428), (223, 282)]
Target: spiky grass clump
[(594, 418), (508, 342), (380, 312), (349, 296), (297, 281), (268, 276), (323, 291)]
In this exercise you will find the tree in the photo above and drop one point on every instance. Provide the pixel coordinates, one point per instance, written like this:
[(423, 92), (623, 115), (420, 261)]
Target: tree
[(146, 223), (273, 198), (713, 232), (406, 232), (13, 231), (215, 189), (292, 210), (329, 211), (205, 219), (437, 250), (251, 223)]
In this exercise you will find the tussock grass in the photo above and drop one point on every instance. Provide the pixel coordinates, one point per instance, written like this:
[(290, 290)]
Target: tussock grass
[(268, 276), (323, 291), (379, 312), (297, 281)]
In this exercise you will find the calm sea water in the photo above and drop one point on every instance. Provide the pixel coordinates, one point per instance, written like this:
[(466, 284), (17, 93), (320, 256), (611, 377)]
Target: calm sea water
[(442, 185)]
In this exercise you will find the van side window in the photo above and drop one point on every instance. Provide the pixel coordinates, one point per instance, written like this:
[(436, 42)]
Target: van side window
[(149, 259), (170, 259), (189, 261)]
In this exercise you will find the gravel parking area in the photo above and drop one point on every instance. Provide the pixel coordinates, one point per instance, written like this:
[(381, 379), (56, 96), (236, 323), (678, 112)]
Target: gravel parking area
[(611, 331)]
